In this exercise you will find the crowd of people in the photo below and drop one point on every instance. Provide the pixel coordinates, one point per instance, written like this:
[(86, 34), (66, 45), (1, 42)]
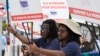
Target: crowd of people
[(57, 39)]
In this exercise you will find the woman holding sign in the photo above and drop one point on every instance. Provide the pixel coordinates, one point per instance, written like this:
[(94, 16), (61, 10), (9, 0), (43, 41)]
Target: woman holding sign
[(48, 35)]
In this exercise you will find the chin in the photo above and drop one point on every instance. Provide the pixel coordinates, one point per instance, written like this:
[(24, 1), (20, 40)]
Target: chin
[(59, 39)]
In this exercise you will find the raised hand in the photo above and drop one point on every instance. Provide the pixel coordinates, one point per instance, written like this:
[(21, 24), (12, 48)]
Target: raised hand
[(11, 29)]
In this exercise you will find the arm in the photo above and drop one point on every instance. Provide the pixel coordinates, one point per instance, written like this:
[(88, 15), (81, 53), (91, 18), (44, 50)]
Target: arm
[(35, 49), (50, 52), (20, 37)]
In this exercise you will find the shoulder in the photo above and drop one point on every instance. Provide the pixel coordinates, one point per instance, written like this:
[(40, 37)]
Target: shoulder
[(71, 48), (3, 37), (39, 39), (55, 42), (72, 44), (54, 45), (39, 42)]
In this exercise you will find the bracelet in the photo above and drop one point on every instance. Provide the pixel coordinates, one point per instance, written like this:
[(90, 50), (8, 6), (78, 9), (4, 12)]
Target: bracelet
[(15, 33)]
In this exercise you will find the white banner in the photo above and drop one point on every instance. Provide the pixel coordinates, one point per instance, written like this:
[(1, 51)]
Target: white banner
[(55, 9), (25, 10), (88, 10)]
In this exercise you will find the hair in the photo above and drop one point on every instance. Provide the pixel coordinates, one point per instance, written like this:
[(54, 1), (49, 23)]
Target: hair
[(71, 35), (52, 28)]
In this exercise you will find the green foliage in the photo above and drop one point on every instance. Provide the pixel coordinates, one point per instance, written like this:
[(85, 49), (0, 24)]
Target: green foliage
[(4, 25)]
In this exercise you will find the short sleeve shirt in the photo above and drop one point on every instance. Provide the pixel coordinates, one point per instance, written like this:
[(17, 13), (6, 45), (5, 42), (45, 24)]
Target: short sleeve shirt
[(53, 44), (3, 42), (71, 49)]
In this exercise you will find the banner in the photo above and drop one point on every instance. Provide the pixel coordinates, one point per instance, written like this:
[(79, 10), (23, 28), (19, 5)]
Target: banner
[(36, 12), (25, 10), (55, 9), (87, 10)]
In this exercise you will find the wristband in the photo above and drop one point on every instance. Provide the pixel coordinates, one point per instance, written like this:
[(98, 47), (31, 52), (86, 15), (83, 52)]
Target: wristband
[(15, 33)]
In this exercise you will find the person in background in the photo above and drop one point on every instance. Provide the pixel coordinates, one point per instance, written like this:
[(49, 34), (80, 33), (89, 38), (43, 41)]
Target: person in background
[(69, 41), (85, 45), (8, 38), (48, 35), (82, 39), (4, 44)]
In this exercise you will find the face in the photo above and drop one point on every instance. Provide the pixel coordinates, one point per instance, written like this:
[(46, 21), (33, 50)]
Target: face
[(62, 33), (44, 30)]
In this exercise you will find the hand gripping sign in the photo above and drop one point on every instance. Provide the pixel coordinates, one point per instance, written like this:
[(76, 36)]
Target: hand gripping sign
[(2, 10)]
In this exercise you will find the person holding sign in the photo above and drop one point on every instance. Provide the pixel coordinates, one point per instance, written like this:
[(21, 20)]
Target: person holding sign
[(69, 38), (48, 35)]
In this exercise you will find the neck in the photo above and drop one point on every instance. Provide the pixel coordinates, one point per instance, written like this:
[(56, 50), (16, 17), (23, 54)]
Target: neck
[(63, 43), (48, 39)]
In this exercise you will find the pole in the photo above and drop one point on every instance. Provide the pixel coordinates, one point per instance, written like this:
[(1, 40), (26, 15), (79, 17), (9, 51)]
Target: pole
[(11, 36), (7, 7), (31, 31), (25, 31), (0, 36)]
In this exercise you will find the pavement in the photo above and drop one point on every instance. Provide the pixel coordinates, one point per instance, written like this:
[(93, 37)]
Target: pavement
[(8, 52)]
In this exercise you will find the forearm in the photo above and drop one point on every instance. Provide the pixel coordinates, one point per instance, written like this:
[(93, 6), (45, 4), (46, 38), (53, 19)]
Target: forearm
[(22, 38), (50, 52)]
